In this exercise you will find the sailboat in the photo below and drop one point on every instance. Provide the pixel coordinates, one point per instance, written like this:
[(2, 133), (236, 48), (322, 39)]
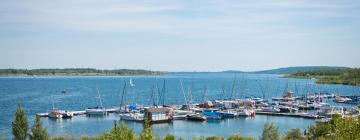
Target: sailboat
[(129, 114), (98, 110), (131, 83)]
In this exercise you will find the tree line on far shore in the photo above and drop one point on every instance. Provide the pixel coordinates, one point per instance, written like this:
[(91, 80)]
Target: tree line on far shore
[(336, 129), (332, 76), (77, 71)]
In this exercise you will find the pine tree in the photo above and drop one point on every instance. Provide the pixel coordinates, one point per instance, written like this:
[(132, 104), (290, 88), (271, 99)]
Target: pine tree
[(20, 124), (38, 132)]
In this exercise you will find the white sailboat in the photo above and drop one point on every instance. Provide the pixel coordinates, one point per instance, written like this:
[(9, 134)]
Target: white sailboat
[(131, 83), (132, 116), (98, 110)]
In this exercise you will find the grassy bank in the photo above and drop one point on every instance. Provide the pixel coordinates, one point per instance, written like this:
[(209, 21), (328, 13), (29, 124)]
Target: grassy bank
[(337, 76), (76, 72)]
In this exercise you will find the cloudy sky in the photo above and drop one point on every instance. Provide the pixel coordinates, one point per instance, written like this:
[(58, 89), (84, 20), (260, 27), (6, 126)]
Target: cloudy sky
[(179, 35)]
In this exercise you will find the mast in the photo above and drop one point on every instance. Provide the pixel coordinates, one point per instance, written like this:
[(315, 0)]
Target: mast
[(101, 105), (152, 95), (159, 94), (205, 90), (163, 93), (233, 88), (53, 103), (223, 91), (122, 95), (191, 90), (182, 88)]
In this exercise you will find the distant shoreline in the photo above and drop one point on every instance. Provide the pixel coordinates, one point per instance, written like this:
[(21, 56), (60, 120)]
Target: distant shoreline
[(76, 72), (335, 76)]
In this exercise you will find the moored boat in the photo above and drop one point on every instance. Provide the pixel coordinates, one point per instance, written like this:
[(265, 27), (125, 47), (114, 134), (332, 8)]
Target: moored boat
[(196, 117), (229, 113), (98, 110), (212, 114), (56, 114), (132, 116)]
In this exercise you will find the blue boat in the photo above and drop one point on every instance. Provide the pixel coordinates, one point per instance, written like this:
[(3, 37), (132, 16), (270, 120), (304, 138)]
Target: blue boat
[(212, 114)]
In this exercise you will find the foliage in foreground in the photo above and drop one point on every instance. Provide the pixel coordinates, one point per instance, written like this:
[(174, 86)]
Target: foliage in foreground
[(122, 133), (294, 134), (337, 128), (38, 132), (20, 124), (270, 132)]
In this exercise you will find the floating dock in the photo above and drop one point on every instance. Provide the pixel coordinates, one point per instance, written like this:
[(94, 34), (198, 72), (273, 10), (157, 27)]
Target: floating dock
[(77, 113), (298, 115)]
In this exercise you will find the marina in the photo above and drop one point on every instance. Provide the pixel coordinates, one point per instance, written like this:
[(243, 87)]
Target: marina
[(194, 99)]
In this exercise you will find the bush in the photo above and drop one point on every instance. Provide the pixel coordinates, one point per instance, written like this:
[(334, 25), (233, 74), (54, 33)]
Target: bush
[(270, 132), (238, 137), (122, 133), (294, 134), (169, 137)]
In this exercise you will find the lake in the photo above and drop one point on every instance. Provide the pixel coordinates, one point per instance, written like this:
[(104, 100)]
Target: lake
[(37, 94)]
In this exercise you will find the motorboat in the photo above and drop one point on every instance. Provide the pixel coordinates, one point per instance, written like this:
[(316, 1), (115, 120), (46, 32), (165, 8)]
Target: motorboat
[(55, 114), (229, 113), (270, 109), (285, 109), (196, 117), (340, 99), (212, 114), (245, 112)]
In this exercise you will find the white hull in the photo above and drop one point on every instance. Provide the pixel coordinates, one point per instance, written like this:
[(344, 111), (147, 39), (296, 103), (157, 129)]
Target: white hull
[(132, 117), (55, 116), (245, 113), (95, 111)]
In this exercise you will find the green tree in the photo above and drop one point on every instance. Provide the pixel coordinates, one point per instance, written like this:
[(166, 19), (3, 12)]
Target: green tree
[(270, 132), (320, 130), (214, 138), (169, 137), (147, 133), (238, 137), (20, 124), (38, 132), (122, 133), (294, 134)]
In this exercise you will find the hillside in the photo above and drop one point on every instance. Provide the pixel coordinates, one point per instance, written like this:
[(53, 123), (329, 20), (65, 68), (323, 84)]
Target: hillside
[(334, 76), (291, 70)]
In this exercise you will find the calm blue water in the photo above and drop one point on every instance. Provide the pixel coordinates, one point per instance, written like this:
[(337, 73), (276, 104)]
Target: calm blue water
[(38, 94)]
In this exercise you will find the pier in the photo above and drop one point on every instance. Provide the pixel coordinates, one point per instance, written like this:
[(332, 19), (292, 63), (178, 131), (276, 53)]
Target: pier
[(80, 112), (297, 115)]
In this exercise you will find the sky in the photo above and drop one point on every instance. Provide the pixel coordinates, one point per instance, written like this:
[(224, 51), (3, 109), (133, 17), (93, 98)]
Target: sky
[(179, 35)]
